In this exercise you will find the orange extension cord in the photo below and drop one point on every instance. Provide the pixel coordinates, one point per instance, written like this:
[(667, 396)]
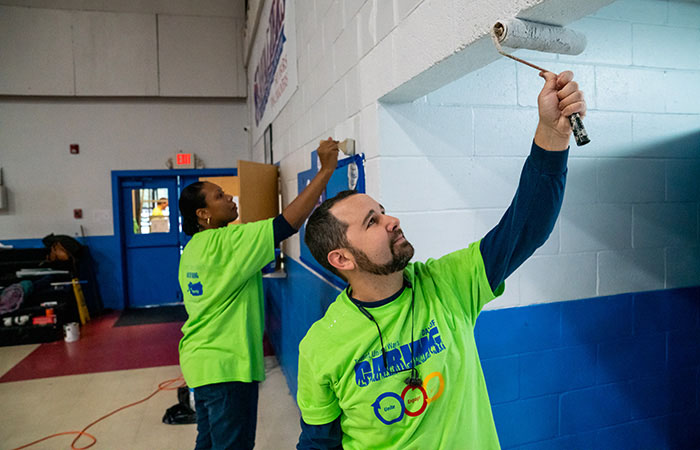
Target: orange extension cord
[(163, 386)]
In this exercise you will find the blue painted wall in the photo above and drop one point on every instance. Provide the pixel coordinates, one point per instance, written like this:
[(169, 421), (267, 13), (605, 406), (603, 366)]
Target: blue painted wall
[(618, 372), (292, 304)]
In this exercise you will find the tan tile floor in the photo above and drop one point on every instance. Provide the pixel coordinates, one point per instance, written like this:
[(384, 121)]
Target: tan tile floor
[(30, 410)]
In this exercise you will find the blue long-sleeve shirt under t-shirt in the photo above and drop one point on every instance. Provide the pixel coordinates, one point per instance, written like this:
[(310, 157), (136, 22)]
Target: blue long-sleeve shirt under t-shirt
[(525, 226), (281, 229)]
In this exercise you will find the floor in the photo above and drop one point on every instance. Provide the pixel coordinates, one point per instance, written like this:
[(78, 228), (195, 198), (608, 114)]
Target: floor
[(60, 387)]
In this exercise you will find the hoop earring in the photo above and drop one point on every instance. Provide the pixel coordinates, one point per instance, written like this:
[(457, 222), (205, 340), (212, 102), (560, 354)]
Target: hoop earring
[(208, 220)]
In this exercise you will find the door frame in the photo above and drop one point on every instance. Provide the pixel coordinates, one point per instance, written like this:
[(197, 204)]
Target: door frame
[(120, 176)]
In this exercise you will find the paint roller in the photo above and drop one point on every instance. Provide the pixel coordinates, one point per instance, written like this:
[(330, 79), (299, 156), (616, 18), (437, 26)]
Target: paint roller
[(518, 33)]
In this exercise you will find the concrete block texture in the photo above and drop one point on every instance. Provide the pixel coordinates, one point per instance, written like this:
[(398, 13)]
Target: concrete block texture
[(682, 267), (631, 357), (386, 18), (336, 104), (501, 131), (436, 233), (376, 72), (425, 130), (446, 123), (427, 35), (510, 297), (630, 180), (366, 21), (486, 219), (666, 135), (596, 320), (554, 371), (346, 51), (630, 270), (642, 11), (412, 183), (661, 311), (684, 14), (350, 9), (665, 225), (581, 181), (405, 7), (306, 16), (681, 90), (323, 6), (500, 382), (558, 277), (331, 23), (518, 330), (600, 226), (666, 46), (629, 89), (532, 420), (349, 128), (373, 180), (608, 42), (369, 142), (594, 407), (495, 84), (353, 91), (613, 132)]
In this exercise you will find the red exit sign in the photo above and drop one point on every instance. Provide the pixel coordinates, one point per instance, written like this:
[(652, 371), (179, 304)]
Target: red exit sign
[(184, 161)]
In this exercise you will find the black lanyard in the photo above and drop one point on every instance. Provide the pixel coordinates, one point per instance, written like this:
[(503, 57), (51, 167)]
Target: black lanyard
[(414, 380)]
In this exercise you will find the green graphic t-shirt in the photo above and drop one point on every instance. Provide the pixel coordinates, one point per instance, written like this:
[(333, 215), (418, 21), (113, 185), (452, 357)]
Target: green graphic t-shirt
[(221, 282), (342, 373)]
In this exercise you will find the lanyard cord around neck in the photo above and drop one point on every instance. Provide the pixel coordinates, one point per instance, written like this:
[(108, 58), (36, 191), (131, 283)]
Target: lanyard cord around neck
[(414, 380)]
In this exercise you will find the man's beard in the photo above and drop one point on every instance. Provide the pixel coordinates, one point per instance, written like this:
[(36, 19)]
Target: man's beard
[(400, 256)]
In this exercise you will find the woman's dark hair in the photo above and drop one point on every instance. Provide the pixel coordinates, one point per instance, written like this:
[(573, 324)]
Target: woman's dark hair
[(191, 199), (325, 233)]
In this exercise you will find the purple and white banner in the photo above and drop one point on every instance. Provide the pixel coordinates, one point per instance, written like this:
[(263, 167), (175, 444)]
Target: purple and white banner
[(272, 69)]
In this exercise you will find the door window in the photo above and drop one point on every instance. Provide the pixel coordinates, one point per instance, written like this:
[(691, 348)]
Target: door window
[(151, 211)]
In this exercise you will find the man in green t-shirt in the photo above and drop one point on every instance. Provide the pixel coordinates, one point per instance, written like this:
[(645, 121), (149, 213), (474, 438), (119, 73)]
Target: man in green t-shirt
[(221, 353), (393, 362)]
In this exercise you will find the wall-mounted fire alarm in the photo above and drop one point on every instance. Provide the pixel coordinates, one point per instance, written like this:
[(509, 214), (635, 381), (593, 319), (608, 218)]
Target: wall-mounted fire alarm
[(74, 149)]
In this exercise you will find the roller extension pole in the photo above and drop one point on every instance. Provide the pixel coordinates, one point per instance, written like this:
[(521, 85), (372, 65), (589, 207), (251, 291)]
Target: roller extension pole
[(516, 33)]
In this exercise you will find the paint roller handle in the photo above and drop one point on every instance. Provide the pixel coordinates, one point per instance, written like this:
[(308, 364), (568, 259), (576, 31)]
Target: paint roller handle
[(580, 134)]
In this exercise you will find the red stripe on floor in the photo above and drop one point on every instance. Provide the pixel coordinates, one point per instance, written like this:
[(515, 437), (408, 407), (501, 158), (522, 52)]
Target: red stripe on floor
[(102, 348)]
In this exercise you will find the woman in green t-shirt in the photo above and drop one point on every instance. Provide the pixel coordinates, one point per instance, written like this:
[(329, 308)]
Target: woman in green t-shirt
[(221, 350)]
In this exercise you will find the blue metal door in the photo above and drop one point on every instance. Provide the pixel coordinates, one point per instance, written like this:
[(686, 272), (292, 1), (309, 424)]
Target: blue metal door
[(150, 222)]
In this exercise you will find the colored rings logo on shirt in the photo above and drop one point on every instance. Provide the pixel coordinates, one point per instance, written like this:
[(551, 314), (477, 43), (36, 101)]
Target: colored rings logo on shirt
[(390, 407)]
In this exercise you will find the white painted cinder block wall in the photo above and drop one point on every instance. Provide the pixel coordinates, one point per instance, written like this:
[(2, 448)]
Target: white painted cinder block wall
[(446, 158), (630, 216), (352, 54)]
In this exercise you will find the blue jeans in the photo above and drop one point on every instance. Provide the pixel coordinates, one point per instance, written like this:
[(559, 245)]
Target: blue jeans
[(227, 414)]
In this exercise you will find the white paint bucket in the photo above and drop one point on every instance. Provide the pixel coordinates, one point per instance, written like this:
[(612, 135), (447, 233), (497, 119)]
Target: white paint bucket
[(71, 332)]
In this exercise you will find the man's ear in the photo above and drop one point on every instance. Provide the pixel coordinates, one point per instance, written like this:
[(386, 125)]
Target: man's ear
[(341, 259)]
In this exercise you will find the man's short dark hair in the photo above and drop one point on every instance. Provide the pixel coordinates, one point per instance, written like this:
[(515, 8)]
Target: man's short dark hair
[(325, 233)]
